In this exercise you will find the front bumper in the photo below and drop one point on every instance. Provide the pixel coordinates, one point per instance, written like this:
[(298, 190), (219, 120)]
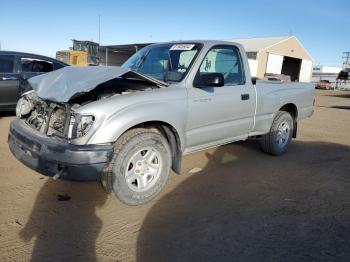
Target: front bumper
[(51, 156)]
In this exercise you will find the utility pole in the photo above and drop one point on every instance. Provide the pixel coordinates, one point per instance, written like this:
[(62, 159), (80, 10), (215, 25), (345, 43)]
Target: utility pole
[(346, 57), (99, 29), (99, 39)]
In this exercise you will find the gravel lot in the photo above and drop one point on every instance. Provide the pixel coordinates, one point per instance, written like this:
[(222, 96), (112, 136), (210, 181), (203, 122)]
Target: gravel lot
[(232, 203)]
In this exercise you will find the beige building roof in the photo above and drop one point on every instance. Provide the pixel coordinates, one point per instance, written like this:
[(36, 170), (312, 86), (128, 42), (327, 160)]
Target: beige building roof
[(259, 43), (279, 44)]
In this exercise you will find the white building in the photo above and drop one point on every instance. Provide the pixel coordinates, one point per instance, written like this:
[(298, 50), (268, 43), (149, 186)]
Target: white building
[(278, 55), (329, 73)]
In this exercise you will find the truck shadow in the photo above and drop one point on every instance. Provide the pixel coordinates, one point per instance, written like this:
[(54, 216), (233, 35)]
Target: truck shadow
[(65, 227), (247, 206)]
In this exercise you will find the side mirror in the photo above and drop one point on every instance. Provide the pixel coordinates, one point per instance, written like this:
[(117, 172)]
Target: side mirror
[(210, 79)]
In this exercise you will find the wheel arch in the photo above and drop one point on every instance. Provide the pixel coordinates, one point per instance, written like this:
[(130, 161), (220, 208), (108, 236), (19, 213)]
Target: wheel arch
[(293, 111), (171, 135)]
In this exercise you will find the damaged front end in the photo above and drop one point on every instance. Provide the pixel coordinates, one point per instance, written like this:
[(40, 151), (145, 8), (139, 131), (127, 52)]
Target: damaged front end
[(47, 122), (50, 107)]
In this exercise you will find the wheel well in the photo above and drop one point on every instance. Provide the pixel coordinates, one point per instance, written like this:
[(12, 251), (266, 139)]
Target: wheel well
[(293, 110), (170, 133)]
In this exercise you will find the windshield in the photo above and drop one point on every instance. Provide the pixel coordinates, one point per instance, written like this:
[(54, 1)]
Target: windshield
[(168, 63)]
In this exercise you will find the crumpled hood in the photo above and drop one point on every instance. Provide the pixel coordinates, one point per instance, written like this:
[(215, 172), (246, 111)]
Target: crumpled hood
[(63, 84)]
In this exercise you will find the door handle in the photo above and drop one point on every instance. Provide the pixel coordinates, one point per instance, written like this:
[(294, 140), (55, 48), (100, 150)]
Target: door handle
[(244, 96), (9, 78)]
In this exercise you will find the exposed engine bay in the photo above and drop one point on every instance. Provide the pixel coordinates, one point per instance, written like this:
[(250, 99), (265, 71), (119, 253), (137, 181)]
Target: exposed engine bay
[(46, 117), (59, 119)]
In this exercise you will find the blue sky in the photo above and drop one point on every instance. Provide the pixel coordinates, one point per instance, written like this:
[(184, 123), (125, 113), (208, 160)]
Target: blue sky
[(47, 26)]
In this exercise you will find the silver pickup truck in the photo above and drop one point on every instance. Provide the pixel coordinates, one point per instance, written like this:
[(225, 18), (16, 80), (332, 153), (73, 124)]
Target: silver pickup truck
[(129, 125)]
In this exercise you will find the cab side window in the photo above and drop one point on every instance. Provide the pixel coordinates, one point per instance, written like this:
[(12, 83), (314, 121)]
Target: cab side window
[(33, 65), (7, 63), (224, 60)]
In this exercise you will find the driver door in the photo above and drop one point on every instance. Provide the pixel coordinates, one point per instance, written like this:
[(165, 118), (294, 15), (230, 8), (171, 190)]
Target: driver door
[(218, 115)]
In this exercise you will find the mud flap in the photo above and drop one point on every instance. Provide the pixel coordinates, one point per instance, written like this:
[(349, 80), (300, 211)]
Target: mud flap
[(295, 129)]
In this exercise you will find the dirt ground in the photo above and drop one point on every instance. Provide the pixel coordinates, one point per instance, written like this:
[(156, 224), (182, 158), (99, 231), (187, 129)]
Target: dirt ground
[(231, 203)]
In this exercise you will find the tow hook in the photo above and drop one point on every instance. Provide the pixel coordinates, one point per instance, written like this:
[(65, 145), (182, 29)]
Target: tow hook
[(57, 176), (59, 172)]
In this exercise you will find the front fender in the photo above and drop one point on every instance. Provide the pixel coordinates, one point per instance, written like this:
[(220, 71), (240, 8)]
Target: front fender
[(171, 112)]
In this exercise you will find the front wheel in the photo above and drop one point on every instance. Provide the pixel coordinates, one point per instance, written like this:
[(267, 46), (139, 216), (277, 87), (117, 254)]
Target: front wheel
[(277, 140), (140, 166)]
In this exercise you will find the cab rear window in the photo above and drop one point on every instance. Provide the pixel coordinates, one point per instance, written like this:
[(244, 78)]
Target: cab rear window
[(6, 63)]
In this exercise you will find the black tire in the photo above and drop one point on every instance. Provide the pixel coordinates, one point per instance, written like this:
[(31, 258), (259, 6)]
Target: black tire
[(114, 177), (269, 143)]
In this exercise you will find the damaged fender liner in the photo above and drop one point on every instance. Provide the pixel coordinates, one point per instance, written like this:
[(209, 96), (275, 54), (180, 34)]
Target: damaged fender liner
[(56, 156)]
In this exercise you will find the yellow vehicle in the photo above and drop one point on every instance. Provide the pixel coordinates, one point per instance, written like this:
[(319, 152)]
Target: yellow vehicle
[(83, 53)]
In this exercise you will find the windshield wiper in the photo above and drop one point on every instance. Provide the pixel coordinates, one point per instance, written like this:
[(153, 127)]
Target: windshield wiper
[(142, 60), (160, 82), (149, 78)]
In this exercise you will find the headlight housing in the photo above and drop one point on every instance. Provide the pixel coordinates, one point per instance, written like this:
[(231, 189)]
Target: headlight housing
[(80, 125), (24, 107)]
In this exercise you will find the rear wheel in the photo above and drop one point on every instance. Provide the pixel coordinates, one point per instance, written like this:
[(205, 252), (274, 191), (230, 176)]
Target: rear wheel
[(277, 140), (140, 166)]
